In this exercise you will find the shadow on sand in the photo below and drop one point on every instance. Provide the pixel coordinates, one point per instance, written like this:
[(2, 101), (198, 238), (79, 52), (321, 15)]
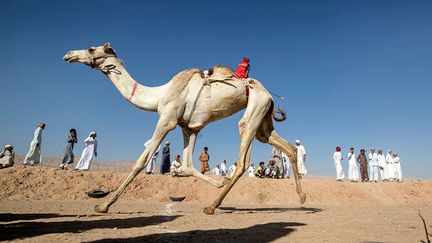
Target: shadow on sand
[(9, 217), (29, 229), (257, 233), (270, 210)]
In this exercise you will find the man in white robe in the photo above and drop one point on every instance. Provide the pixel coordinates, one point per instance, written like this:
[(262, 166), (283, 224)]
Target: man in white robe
[(7, 156), (301, 158), (232, 169), (175, 166), (287, 165), (34, 155), (251, 170), (390, 166), (353, 173), (382, 165), (374, 165), (337, 157), (152, 164), (217, 171), (398, 169), (224, 168), (89, 152)]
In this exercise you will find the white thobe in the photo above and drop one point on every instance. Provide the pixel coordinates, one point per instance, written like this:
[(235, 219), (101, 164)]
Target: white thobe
[(390, 167), (232, 168), (175, 167), (223, 168), (301, 152), (398, 169), (251, 171), (337, 157), (90, 149), (216, 171), (374, 166), (152, 164), (353, 173), (383, 166), (287, 165), (34, 155)]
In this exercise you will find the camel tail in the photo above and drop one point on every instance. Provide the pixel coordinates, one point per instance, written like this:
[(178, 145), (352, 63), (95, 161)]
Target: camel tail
[(281, 112)]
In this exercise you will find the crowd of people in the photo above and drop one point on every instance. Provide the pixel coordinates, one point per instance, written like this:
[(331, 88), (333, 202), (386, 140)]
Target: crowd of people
[(387, 167)]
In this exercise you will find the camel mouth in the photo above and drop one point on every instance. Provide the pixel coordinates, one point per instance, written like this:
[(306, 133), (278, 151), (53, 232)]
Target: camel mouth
[(70, 59)]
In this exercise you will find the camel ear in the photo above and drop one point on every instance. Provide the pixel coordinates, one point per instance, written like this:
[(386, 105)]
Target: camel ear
[(108, 49)]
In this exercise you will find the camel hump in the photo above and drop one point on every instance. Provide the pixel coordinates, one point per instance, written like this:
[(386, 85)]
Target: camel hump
[(182, 78), (222, 71)]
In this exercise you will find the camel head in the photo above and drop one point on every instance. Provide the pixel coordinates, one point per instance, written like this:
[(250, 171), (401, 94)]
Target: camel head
[(93, 56)]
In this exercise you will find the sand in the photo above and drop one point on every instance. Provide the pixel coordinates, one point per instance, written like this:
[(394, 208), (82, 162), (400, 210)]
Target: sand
[(48, 204)]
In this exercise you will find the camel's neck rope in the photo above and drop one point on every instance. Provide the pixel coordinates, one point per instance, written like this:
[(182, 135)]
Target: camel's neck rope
[(107, 69)]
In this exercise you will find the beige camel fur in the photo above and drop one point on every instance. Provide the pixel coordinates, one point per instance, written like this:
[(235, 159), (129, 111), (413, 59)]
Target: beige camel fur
[(190, 101)]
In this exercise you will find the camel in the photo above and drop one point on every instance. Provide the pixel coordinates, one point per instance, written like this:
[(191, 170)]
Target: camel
[(192, 100)]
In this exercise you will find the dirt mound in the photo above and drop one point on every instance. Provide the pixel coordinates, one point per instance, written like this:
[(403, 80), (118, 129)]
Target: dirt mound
[(44, 183)]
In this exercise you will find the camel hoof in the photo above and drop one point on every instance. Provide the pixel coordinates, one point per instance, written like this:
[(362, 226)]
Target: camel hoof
[(302, 198), (100, 209), (209, 210)]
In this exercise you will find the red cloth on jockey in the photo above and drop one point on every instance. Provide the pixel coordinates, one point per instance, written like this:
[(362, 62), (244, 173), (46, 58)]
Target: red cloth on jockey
[(242, 69)]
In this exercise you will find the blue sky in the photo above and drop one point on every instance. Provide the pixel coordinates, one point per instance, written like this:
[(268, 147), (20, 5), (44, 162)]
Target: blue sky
[(354, 73)]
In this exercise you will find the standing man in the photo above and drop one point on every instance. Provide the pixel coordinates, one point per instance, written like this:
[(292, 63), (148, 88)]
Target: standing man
[(398, 169), (232, 169), (353, 174), (277, 157), (152, 164), (34, 155), (374, 166), (204, 158), (89, 152), (7, 156), (390, 167), (224, 168), (287, 166), (382, 165), (68, 157), (362, 160), (337, 157), (166, 163), (301, 158)]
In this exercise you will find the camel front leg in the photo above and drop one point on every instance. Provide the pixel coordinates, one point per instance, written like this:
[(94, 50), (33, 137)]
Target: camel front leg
[(188, 168), (162, 129), (291, 151)]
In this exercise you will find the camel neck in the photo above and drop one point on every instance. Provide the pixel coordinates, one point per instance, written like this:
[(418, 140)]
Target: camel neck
[(145, 98)]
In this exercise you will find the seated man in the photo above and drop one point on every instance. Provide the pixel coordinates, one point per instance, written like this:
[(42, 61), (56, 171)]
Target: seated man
[(175, 166), (272, 171), (7, 156), (259, 172)]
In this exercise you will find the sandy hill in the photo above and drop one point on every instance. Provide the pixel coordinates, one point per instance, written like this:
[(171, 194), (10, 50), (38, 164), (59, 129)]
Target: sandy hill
[(45, 183)]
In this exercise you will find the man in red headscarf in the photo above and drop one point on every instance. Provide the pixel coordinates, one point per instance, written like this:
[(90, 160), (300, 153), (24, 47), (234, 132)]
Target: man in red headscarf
[(242, 69)]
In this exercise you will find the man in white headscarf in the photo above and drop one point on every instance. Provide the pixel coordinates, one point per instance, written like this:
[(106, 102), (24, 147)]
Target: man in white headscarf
[(34, 155), (224, 168), (251, 170), (301, 158), (398, 169), (382, 165), (232, 169), (7, 156), (89, 152), (353, 173), (390, 167), (152, 164), (374, 165)]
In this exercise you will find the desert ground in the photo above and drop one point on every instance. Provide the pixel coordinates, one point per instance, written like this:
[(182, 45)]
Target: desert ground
[(46, 204)]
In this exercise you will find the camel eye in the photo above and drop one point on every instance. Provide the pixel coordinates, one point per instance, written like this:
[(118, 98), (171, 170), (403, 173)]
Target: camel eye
[(91, 49)]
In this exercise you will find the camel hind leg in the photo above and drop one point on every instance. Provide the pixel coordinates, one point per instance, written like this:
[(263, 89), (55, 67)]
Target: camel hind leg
[(162, 129), (267, 134), (248, 126)]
